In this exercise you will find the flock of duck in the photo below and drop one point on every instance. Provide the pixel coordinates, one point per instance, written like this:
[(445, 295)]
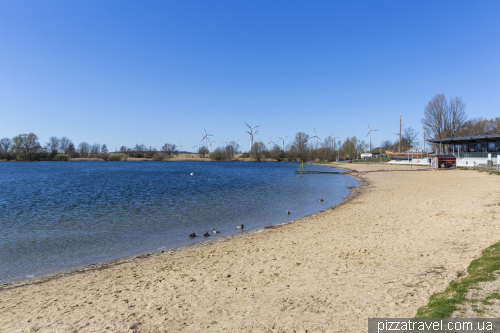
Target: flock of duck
[(241, 227), (215, 232)]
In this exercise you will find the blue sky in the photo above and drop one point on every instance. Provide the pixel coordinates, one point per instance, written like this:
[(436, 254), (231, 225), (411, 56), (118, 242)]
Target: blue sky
[(127, 72)]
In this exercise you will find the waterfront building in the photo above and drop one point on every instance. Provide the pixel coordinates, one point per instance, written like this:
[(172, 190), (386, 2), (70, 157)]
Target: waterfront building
[(471, 151)]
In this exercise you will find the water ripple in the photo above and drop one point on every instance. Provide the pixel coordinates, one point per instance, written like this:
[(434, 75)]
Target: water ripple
[(60, 215)]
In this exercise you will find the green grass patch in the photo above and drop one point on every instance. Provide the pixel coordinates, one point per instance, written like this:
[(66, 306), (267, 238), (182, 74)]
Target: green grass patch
[(321, 162), (493, 296), (442, 305)]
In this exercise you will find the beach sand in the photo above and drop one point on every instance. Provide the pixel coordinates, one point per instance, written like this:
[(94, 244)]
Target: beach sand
[(400, 238)]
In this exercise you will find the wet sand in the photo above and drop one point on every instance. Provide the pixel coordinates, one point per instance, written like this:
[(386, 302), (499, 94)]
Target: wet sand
[(399, 238)]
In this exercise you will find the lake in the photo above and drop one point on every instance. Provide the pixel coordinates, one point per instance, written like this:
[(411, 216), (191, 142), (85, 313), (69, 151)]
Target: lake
[(56, 216)]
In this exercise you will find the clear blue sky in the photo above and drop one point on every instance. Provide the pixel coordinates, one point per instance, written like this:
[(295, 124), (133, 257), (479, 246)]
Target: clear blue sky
[(127, 72)]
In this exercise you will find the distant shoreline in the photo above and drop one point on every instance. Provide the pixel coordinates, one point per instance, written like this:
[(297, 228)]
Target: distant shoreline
[(132, 159)]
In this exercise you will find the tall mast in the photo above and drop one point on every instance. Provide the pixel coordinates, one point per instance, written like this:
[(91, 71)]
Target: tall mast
[(399, 133)]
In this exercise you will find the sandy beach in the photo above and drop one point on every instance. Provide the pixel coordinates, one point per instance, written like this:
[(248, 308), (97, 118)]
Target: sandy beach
[(400, 238)]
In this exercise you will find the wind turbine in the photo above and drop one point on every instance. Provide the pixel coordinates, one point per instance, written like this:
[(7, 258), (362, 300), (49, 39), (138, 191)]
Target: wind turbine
[(226, 142), (251, 134), (210, 144), (205, 136), (180, 147), (370, 134), (314, 137), (269, 143), (283, 143)]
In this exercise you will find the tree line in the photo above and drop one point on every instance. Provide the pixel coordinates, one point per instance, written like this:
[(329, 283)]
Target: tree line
[(26, 147), (302, 149)]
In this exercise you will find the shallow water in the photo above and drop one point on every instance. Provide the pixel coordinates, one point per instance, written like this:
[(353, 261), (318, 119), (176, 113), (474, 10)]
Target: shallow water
[(60, 215)]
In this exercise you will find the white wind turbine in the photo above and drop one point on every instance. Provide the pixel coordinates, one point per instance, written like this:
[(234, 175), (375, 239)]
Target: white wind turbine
[(205, 137), (251, 134), (314, 137), (180, 147), (269, 143), (283, 142), (370, 134), (210, 144)]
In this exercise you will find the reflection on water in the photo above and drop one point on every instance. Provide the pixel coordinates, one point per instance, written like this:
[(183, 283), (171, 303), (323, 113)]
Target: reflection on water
[(61, 215)]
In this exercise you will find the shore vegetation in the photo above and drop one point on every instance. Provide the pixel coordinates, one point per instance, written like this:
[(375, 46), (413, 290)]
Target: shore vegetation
[(455, 297), (27, 147)]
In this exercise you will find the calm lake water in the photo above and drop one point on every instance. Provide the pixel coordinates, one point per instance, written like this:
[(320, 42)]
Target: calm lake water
[(60, 215)]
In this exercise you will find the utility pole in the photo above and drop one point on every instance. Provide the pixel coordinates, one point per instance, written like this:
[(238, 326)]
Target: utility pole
[(424, 142), (399, 149)]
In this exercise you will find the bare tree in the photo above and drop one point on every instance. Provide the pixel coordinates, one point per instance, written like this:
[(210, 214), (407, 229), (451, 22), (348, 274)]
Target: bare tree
[(169, 149), (480, 126), (455, 117), (123, 150), (5, 145), (104, 148), (361, 146), (95, 149), (140, 149), (64, 143), (275, 152), (53, 145), (409, 138), (231, 149), (387, 145), (84, 149), (203, 151), (151, 151), (443, 119), (300, 145), (258, 149)]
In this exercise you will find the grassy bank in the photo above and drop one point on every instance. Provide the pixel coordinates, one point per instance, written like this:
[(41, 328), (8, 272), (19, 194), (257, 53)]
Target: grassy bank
[(442, 305), (490, 170)]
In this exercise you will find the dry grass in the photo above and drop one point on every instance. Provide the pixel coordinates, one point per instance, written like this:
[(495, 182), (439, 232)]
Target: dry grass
[(187, 157), (137, 159), (86, 159)]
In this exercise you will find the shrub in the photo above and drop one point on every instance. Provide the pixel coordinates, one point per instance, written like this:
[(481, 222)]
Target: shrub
[(61, 157), (217, 155), (158, 157), (117, 157)]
